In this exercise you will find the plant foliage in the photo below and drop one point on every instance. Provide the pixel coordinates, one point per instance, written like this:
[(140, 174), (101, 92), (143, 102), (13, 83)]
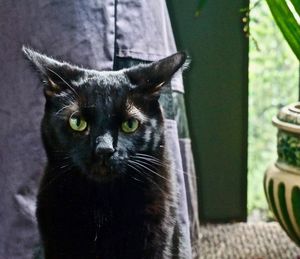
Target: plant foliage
[(285, 14)]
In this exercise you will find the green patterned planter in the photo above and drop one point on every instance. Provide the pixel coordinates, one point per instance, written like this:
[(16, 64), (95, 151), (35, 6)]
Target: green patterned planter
[(282, 180)]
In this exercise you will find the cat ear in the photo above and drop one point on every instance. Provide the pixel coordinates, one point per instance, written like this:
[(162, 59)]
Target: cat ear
[(150, 78), (57, 75)]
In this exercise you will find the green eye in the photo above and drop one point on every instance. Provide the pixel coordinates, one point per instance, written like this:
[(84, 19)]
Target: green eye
[(130, 126), (77, 123)]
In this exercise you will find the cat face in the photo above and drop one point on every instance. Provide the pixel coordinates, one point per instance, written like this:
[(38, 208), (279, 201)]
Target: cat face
[(97, 122)]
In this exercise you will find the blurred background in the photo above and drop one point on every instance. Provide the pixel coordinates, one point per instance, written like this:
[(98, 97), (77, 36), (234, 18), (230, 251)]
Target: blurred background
[(242, 72)]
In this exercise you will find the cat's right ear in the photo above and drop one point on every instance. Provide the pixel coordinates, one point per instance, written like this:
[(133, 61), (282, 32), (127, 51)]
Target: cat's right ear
[(56, 75)]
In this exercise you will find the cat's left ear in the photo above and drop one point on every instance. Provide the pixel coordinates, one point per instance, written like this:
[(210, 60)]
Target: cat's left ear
[(148, 79), (57, 75)]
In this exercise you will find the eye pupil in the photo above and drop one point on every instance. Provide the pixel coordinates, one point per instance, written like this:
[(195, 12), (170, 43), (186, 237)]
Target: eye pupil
[(130, 126), (77, 123), (130, 123)]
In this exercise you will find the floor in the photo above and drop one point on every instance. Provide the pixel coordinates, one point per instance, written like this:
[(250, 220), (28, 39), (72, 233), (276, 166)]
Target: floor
[(246, 241)]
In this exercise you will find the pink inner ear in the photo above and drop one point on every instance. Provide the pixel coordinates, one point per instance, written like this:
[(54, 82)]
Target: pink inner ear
[(53, 85), (52, 88), (159, 85), (156, 72)]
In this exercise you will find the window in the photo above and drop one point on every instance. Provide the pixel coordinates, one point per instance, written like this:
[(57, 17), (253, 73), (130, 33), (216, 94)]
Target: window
[(273, 83)]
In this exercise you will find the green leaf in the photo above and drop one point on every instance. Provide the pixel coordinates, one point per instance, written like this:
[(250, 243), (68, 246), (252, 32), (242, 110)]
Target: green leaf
[(287, 22), (296, 4)]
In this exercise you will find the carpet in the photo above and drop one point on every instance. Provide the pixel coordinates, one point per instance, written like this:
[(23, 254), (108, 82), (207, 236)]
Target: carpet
[(246, 241)]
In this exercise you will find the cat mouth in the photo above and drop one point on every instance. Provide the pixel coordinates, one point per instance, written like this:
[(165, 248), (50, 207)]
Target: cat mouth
[(101, 170)]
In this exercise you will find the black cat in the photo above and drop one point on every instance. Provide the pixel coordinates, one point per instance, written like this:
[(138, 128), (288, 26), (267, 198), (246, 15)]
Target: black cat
[(108, 191)]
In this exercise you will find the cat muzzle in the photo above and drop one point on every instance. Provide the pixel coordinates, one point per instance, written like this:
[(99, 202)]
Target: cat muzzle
[(104, 145), (103, 153), (102, 165)]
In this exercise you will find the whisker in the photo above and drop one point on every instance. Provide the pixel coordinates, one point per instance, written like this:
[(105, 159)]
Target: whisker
[(131, 166), (147, 163), (150, 170), (149, 159), (148, 178), (142, 154), (158, 163), (154, 160)]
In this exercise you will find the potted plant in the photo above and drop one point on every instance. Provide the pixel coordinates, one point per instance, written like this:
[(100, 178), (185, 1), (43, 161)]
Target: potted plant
[(282, 180)]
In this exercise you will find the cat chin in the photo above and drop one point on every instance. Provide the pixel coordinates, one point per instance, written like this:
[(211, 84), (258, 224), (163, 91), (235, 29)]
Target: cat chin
[(102, 174)]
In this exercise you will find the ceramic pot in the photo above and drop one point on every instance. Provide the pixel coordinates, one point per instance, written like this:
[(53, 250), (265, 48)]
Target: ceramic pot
[(282, 179)]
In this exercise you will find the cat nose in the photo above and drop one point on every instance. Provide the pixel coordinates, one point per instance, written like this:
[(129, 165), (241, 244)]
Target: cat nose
[(104, 145), (104, 150)]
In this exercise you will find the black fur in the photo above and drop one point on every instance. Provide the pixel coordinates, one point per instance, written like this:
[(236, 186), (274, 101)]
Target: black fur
[(106, 205)]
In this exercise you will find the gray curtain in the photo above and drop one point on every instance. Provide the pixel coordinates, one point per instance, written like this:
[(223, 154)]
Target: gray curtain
[(99, 34)]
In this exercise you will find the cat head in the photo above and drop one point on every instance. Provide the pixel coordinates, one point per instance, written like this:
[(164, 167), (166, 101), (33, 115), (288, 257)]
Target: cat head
[(101, 122)]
